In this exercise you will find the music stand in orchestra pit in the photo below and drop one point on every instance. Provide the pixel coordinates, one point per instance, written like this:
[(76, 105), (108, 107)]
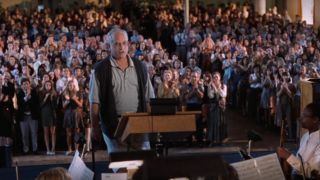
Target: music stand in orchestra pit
[(192, 166), (135, 123)]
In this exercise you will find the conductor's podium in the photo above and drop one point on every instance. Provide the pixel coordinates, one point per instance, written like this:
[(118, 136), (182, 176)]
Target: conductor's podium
[(135, 123)]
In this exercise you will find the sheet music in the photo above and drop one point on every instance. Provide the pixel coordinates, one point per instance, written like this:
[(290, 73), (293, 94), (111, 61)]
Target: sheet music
[(78, 169), (114, 176), (265, 167), (126, 164)]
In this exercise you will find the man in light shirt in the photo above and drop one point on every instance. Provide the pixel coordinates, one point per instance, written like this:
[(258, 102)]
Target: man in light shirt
[(118, 85)]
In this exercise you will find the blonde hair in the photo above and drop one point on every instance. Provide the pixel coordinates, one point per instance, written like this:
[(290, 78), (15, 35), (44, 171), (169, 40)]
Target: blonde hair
[(67, 91), (57, 173)]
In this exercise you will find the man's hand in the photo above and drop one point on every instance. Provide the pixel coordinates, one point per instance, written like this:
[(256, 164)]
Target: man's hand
[(94, 115)]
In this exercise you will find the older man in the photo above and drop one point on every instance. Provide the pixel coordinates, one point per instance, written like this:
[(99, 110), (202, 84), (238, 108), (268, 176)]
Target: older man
[(118, 85)]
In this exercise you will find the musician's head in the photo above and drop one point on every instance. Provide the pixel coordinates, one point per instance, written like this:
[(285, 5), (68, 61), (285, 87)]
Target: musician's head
[(54, 173), (310, 116)]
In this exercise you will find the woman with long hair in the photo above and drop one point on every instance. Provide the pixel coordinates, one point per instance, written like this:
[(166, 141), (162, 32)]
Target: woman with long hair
[(6, 114), (48, 107), (86, 116), (72, 104), (217, 125)]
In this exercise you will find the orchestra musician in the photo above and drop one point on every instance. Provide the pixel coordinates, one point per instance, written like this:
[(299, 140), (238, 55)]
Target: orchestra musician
[(306, 163)]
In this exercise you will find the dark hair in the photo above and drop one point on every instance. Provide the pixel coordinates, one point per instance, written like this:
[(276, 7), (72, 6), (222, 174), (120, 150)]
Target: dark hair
[(25, 80), (314, 107), (5, 90)]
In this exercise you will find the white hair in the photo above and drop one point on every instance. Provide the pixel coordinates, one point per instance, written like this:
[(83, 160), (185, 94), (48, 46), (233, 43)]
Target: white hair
[(112, 32)]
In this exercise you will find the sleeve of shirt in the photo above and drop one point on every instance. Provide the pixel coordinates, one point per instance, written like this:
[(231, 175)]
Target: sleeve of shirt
[(223, 92), (294, 162), (59, 86), (76, 84), (176, 39), (314, 162), (311, 164), (69, 62), (149, 90), (210, 92), (93, 89)]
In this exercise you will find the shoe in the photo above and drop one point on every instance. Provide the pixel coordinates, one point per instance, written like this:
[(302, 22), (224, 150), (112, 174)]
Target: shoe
[(48, 153), (52, 153), (85, 154), (35, 152), (225, 140), (68, 153)]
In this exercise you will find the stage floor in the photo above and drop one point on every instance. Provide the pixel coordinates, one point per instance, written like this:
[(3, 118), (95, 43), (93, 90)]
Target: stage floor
[(238, 127), (29, 166)]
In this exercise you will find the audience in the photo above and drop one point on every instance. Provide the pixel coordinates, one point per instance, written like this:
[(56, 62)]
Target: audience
[(260, 59)]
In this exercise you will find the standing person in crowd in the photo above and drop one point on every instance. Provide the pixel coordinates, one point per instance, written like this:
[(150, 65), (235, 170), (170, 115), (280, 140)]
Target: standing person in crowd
[(192, 64), (27, 72), (307, 159), (254, 92), (79, 76), (72, 121), (217, 125), (180, 38), (206, 47), (28, 115), (86, 116), (48, 105), (192, 100), (177, 65), (67, 76), (6, 114), (207, 79), (193, 92), (285, 92), (167, 89), (41, 60), (265, 102), (118, 84), (243, 85)]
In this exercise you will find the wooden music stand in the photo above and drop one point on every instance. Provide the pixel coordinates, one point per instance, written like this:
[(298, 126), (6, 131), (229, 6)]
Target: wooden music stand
[(134, 123)]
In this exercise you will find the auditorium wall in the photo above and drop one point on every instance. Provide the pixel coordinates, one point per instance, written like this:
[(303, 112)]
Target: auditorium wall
[(294, 8), (316, 13), (33, 3), (9, 3)]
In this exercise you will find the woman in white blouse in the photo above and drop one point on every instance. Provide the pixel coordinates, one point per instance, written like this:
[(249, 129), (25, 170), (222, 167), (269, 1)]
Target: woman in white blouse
[(217, 126)]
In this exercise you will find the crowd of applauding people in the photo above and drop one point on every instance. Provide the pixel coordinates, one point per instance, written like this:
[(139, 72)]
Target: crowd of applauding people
[(226, 57)]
